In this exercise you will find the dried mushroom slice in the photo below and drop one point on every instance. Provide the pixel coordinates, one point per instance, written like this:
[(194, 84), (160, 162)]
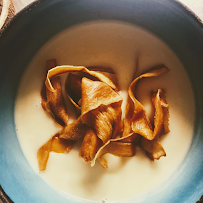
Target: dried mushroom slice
[(101, 108), (135, 111), (53, 102), (54, 144)]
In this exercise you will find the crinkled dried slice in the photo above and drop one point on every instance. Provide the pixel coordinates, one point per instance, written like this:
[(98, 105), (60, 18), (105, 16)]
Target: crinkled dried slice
[(119, 147), (108, 72), (60, 145), (139, 119), (90, 145), (165, 108), (53, 102), (161, 113), (153, 148), (54, 144), (106, 121), (61, 70), (43, 155), (73, 88), (74, 131), (103, 162), (101, 108), (96, 93), (127, 121)]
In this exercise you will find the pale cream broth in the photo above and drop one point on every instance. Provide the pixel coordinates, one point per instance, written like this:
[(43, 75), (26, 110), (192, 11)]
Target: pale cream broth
[(128, 50)]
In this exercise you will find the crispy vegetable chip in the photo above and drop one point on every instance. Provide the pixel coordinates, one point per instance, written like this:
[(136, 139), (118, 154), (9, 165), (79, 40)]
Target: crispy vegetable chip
[(43, 155), (61, 70), (60, 145), (90, 145), (139, 120), (53, 102), (101, 108), (74, 131), (94, 93), (118, 147), (153, 148), (108, 72), (161, 113), (73, 89), (54, 144)]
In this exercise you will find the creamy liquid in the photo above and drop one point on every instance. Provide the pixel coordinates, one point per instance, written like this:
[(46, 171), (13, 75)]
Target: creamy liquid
[(128, 50)]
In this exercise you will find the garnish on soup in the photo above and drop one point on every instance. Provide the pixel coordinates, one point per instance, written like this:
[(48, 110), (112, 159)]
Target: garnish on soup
[(100, 126)]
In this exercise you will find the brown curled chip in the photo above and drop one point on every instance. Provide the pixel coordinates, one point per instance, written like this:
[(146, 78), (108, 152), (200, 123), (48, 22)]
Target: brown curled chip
[(74, 131), (165, 108), (53, 102), (100, 124), (60, 145), (103, 162), (101, 108), (61, 70), (139, 120), (96, 93), (152, 148), (54, 144), (118, 147), (73, 89), (108, 72), (43, 155), (90, 145), (161, 116)]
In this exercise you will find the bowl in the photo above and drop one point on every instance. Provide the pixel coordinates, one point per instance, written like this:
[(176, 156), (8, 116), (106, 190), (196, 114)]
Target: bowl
[(46, 23)]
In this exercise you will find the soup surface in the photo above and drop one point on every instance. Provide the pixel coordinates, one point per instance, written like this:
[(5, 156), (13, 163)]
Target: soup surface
[(130, 51)]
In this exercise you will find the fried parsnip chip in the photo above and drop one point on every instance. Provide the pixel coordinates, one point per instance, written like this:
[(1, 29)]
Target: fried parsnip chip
[(101, 108), (74, 131), (53, 102), (108, 72), (95, 95), (73, 89), (43, 155), (139, 120), (161, 113), (165, 111), (119, 147), (61, 70), (54, 144), (153, 148), (90, 145)]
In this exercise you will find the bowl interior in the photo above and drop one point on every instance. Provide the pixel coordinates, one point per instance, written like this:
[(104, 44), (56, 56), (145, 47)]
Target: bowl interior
[(32, 28)]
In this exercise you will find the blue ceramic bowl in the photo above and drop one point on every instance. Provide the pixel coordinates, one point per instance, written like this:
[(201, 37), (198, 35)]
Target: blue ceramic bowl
[(43, 19)]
